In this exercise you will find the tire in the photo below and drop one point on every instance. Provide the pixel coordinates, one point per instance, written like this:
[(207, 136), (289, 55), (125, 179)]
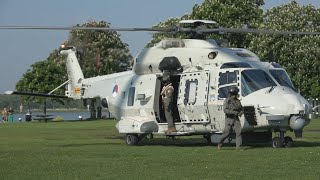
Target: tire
[(132, 139), (288, 141), (276, 142)]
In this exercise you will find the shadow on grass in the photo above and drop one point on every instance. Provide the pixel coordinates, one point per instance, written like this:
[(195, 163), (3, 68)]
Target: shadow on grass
[(302, 143), (188, 143), (82, 144), (296, 144), (115, 137), (203, 142), (179, 142)]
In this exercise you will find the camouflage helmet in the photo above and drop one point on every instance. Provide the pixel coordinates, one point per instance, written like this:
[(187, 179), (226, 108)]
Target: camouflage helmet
[(234, 90)]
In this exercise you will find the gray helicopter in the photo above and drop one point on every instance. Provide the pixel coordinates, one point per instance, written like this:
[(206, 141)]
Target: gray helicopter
[(201, 72)]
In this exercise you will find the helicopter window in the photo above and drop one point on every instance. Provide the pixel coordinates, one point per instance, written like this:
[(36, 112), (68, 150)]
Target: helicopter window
[(191, 92), (212, 55), (131, 96), (172, 43), (243, 54), (235, 65), (281, 77), (224, 91), (228, 78), (254, 80)]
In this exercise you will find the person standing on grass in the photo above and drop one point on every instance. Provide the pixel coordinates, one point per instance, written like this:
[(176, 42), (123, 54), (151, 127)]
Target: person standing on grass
[(4, 115), (10, 112), (233, 110)]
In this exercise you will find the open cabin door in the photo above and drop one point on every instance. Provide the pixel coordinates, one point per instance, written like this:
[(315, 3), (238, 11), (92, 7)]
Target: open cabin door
[(193, 97)]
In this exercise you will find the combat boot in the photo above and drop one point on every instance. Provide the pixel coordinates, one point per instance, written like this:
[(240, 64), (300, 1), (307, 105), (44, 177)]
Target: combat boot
[(170, 130)]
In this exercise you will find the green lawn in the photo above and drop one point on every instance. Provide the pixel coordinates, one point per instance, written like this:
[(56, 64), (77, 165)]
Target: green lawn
[(94, 150)]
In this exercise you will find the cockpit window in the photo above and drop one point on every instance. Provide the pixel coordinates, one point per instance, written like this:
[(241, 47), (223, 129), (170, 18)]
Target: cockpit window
[(235, 65), (254, 80), (228, 78), (224, 91), (281, 77)]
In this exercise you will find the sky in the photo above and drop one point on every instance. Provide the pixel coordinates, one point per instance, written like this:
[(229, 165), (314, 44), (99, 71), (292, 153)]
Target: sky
[(21, 48)]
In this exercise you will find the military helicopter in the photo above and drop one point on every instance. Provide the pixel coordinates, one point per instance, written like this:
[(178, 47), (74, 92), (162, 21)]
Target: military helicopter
[(201, 72)]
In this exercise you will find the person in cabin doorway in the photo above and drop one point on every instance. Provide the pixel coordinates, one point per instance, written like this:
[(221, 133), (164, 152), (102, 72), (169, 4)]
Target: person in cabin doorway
[(233, 110), (167, 100)]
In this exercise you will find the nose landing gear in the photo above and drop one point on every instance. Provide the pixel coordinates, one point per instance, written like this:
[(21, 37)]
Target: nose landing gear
[(282, 141)]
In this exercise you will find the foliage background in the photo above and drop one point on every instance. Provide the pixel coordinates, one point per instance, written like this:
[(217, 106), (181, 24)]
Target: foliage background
[(104, 52), (299, 55)]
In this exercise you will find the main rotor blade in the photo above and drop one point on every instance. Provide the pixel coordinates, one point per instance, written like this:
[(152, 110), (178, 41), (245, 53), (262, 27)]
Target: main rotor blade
[(165, 29), (256, 31), (168, 29)]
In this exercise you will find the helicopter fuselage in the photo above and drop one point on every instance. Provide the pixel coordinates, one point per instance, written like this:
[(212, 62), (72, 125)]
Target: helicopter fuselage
[(208, 71)]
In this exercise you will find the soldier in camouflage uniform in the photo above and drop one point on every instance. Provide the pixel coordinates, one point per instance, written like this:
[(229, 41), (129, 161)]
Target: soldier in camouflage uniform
[(167, 100), (233, 110)]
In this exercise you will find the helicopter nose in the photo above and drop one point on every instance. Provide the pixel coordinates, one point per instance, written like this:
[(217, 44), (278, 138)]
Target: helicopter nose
[(297, 102)]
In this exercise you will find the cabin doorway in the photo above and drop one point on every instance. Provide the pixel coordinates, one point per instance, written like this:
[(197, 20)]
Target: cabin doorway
[(175, 80)]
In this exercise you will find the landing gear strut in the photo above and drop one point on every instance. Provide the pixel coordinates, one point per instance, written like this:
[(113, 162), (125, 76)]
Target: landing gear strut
[(282, 141)]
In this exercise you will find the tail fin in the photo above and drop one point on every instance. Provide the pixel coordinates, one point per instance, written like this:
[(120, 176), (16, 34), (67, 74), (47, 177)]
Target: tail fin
[(74, 71)]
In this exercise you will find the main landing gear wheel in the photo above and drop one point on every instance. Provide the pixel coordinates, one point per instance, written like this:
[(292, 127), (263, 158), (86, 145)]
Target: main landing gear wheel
[(277, 142), (282, 141), (132, 139), (288, 142)]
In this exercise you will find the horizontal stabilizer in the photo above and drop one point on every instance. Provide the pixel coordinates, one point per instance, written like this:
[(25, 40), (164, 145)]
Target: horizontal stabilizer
[(35, 94)]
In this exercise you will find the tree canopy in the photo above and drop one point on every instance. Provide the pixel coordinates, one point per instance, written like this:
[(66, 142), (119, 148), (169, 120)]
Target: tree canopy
[(43, 77), (103, 53), (227, 13), (297, 54), (231, 14)]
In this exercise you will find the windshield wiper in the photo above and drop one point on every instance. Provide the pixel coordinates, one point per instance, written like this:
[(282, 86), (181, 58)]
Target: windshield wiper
[(271, 89)]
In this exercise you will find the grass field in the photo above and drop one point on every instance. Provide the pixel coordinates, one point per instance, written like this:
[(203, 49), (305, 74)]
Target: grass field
[(94, 150)]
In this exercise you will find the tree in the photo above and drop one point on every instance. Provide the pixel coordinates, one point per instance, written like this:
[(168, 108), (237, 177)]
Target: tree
[(103, 51), (157, 37), (231, 14), (227, 13), (43, 77), (9, 100), (297, 54)]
